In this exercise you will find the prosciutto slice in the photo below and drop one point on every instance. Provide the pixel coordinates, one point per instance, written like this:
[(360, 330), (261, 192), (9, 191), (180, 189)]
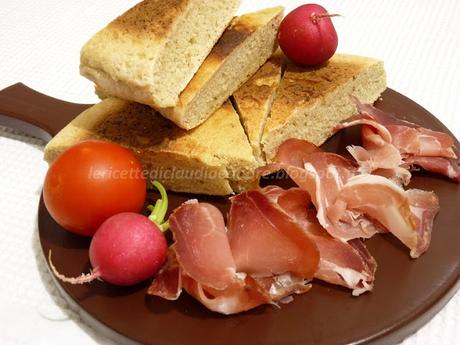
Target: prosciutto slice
[(201, 245), (439, 165), (348, 264), (202, 263), (294, 151), (282, 287), (168, 281), (424, 207), (431, 150), (266, 242), (322, 177), (422, 142), (360, 119), (378, 155), (397, 210), (232, 300)]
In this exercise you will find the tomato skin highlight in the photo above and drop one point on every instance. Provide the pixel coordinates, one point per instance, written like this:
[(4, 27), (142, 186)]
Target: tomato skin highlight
[(127, 249), (90, 182), (306, 41)]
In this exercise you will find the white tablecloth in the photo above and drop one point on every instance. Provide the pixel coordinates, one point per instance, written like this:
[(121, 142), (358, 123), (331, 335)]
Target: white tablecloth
[(39, 45)]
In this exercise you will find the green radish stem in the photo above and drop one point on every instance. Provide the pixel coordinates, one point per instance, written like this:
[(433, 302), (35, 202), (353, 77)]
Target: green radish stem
[(158, 212), (83, 279)]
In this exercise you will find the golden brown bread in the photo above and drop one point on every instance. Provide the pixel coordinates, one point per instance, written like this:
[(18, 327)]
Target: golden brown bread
[(214, 158), (253, 101), (245, 46), (151, 52), (312, 100)]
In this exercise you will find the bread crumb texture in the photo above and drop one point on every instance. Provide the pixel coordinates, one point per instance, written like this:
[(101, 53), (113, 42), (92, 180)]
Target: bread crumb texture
[(150, 53)]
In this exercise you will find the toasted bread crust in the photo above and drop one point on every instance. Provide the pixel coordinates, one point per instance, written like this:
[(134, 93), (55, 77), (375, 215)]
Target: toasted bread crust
[(303, 86), (151, 52), (151, 19), (264, 23), (213, 159), (256, 90), (311, 101), (253, 101)]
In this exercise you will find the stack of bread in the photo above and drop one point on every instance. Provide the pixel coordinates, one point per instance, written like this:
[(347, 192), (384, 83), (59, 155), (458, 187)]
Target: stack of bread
[(204, 98)]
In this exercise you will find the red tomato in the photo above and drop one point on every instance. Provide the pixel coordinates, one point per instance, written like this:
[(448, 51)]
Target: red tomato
[(91, 182), (307, 35)]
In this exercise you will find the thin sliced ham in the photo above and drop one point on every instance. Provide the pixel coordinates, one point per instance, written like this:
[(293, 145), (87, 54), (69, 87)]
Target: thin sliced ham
[(201, 260), (266, 242), (438, 165), (378, 155), (201, 245), (281, 287), (293, 152), (386, 158), (382, 117), (422, 142), (322, 177), (233, 300), (424, 207), (397, 210), (431, 150), (363, 120), (348, 264), (168, 281)]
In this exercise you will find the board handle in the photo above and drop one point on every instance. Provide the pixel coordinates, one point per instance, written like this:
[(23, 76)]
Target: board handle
[(31, 112)]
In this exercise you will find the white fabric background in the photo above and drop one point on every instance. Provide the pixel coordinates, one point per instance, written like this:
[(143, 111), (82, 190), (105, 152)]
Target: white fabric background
[(39, 45)]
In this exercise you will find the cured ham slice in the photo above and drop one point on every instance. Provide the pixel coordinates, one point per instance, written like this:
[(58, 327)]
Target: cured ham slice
[(293, 152), (201, 245), (322, 177), (266, 242), (281, 287), (383, 201), (439, 165), (383, 159), (408, 215), (424, 207), (232, 300), (168, 282), (378, 156), (431, 150), (382, 117), (409, 137), (201, 259), (422, 142), (363, 120), (348, 264)]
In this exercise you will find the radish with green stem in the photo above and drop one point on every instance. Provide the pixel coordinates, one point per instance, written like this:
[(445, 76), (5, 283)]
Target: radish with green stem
[(128, 248)]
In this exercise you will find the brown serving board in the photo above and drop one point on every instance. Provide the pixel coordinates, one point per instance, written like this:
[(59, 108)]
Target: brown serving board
[(407, 292)]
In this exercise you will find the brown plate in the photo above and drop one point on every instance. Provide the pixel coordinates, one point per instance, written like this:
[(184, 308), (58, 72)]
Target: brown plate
[(407, 292)]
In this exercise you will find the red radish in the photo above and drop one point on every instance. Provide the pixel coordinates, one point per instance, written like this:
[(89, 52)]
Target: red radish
[(127, 249), (307, 35)]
